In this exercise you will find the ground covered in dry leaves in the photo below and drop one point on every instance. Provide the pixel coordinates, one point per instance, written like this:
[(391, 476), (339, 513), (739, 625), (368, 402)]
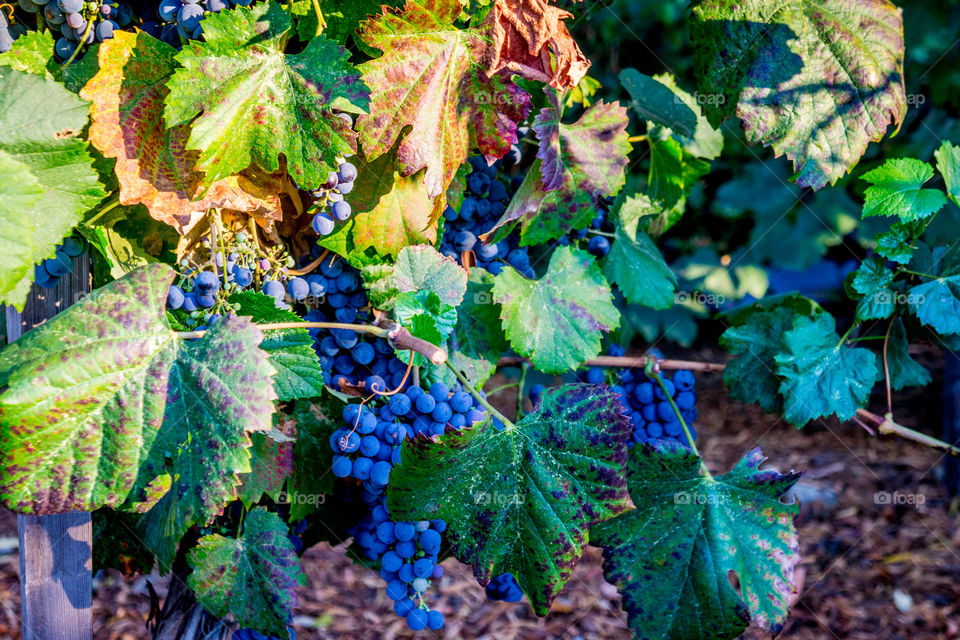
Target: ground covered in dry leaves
[(869, 571)]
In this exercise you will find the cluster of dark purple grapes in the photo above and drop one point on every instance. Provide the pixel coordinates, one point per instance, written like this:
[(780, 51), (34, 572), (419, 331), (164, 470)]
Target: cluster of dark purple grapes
[(598, 245), (8, 32), (486, 199), (367, 447), (48, 273), (650, 410), (504, 588), (177, 20), (339, 183), (80, 22)]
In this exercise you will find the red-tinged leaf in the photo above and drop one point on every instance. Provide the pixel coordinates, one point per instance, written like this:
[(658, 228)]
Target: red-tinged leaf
[(500, 105), (428, 80), (525, 33), (154, 167)]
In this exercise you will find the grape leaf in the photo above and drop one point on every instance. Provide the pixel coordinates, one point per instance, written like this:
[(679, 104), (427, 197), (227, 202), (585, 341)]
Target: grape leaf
[(670, 557), (937, 304), (872, 280), (896, 191), (635, 265), (593, 149), (271, 463), (821, 376), (341, 18), (896, 243), (290, 351), (253, 577), (33, 52), (545, 215), (428, 79), (521, 499), (128, 393), (254, 102), (476, 343), (153, 166), (46, 144), (422, 267), (391, 211), (705, 142), (948, 164), (673, 172), (434, 315), (530, 37), (656, 102), (751, 375), (380, 286), (316, 420), (816, 80), (557, 321), (20, 191), (904, 370)]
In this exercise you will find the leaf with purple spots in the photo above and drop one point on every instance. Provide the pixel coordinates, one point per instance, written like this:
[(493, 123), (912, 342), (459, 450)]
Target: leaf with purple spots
[(670, 557), (253, 103), (558, 320), (252, 577), (521, 500), (816, 80)]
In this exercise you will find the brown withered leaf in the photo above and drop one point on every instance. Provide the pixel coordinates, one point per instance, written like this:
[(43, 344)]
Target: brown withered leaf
[(525, 33), (153, 166)]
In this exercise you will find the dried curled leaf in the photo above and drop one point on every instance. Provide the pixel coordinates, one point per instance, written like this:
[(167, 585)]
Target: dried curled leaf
[(525, 33), (154, 167)]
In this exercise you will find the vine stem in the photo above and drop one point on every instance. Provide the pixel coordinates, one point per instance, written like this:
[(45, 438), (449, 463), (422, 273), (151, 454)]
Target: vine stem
[(654, 371), (398, 336), (887, 425), (483, 401), (107, 208), (632, 361), (886, 366), (523, 378), (638, 138), (83, 41)]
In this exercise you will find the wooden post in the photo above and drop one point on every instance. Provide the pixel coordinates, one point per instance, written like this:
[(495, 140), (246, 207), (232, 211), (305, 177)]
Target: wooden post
[(951, 420), (56, 579)]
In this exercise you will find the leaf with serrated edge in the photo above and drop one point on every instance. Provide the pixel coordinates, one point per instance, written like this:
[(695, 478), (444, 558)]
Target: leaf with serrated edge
[(816, 80), (46, 143), (426, 80), (153, 166), (423, 267), (33, 53), (937, 304), (820, 376), (19, 192), (521, 500), (948, 164), (751, 375), (558, 320), (253, 576), (670, 557), (255, 103), (291, 353), (896, 191)]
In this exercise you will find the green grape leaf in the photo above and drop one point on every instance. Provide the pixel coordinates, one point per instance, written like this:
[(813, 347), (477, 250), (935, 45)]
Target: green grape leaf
[(558, 320), (635, 265), (341, 18), (670, 557), (896, 191), (46, 145), (705, 142), (904, 370), (751, 375), (33, 53), (422, 267), (522, 499), (476, 343), (271, 463), (430, 79), (673, 172), (937, 304), (896, 243), (129, 394), (872, 280), (817, 80), (379, 283), (20, 191), (656, 102), (255, 103), (426, 315), (593, 150), (290, 351), (253, 577), (821, 376), (316, 421), (948, 164)]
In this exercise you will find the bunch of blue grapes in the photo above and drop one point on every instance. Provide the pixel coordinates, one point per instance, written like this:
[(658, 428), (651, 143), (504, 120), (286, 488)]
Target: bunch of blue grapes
[(504, 588), (174, 21), (598, 245), (650, 410), (487, 195), (48, 273), (366, 448), (330, 196), (80, 22), (8, 32)]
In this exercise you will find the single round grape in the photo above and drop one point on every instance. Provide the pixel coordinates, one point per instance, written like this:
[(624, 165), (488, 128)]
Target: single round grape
[(274, 289), (206, 300), (53, 14), (417, 620), (404, 531), (207, 281), (341, 210), (174, 297), (487, 251), (344, 188), (430, 541), (380, 474), (322, 224), (598, 246), (189, 16), (243, 277), (64, 48), (419, 584), (434, 620), (298, 288), (347, 172), (595, 375), (104, 30), (361, 468), (404, 606), (29, 6), (216, 6), (70, 6), (189, 302)]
